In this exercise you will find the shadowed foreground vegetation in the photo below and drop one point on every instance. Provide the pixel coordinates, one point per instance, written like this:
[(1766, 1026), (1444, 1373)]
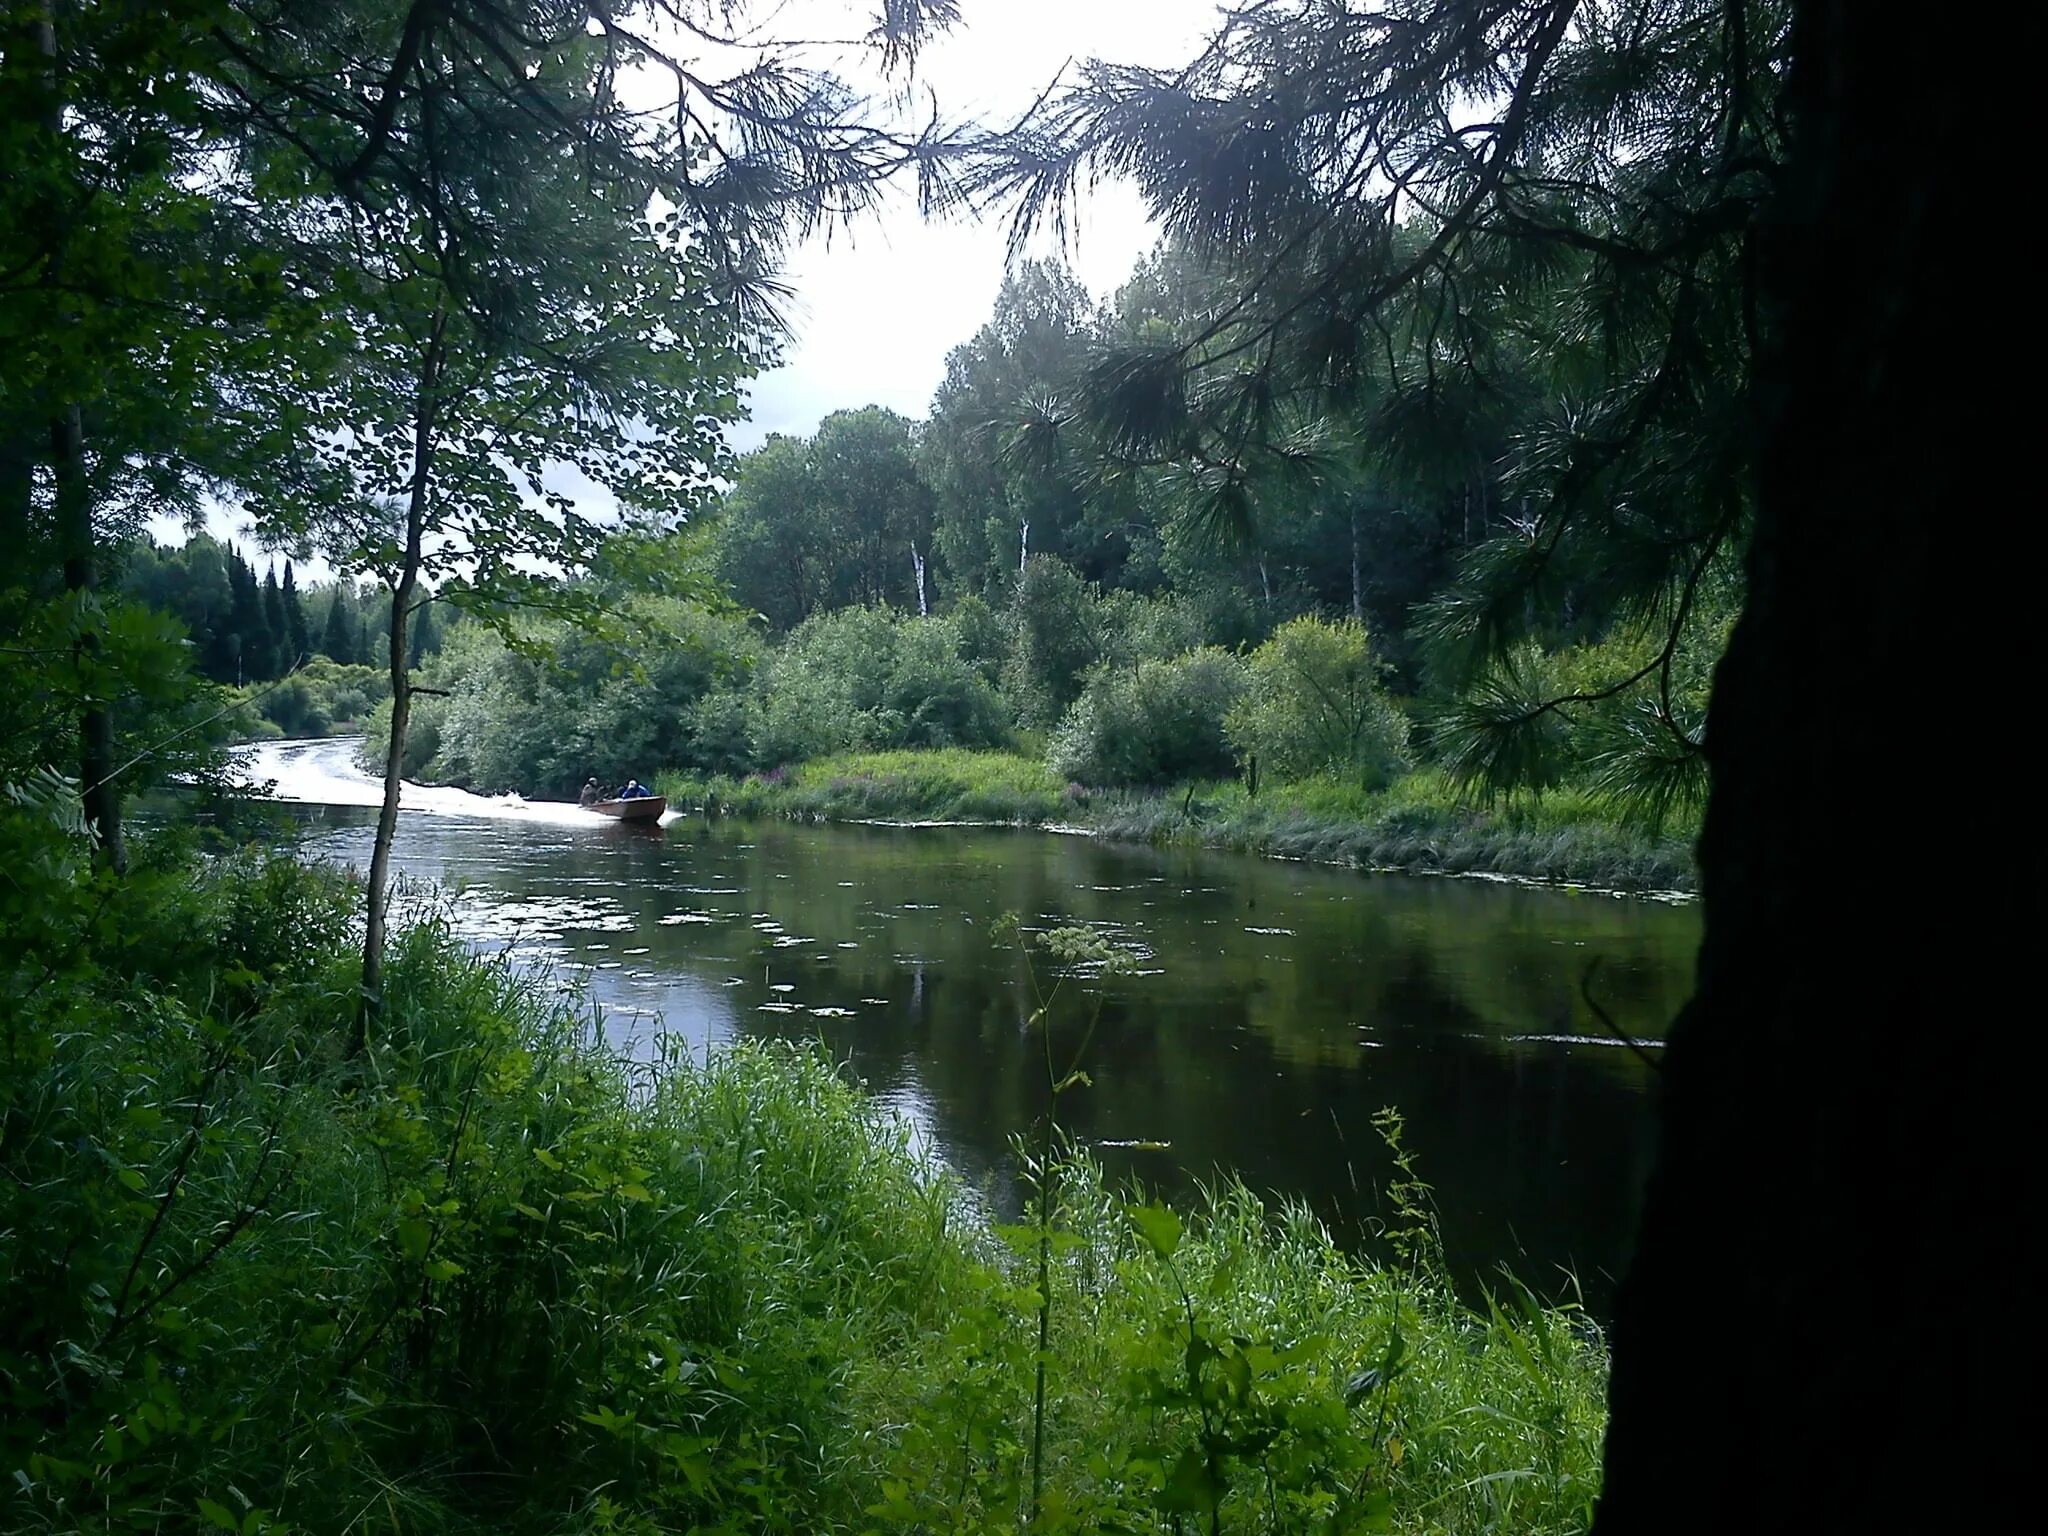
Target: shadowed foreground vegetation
[(1420, 823), (488, 1278)]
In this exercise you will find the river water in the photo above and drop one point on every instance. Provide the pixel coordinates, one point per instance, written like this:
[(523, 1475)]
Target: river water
[(1273, 1007)]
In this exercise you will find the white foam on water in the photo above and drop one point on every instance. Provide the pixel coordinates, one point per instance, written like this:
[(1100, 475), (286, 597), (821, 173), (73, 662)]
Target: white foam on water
[(1603, 1040), (325, 772)]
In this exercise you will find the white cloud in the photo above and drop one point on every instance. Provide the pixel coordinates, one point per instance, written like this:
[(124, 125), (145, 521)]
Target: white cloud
[(879, 306)]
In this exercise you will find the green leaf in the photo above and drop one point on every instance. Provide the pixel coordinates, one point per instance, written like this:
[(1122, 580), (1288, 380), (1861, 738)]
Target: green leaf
[(1016, 1238), (1158, 1226), (1369, 1512), (413, 1237), (1193, 1485), (217, 1516)]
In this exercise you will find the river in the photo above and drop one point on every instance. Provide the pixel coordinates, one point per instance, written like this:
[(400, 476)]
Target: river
[(1273, 1007)]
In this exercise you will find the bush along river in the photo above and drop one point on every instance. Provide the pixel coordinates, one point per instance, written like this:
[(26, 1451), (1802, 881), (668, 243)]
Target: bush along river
[(1271, 1009)]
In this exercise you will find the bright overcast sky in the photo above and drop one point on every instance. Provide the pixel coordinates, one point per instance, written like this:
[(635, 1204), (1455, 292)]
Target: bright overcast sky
[(877, 312), (877, 307)]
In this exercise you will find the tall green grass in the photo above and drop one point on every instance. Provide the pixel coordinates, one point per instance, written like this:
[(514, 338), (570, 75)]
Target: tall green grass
[(1420, 824), (1231, 1362), (945, 784), (493, 1279)]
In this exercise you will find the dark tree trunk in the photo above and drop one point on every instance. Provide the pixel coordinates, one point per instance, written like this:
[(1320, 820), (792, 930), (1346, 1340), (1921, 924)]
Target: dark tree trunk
[(1822, 1275), (17, 498), (72, 505), (377, 918)]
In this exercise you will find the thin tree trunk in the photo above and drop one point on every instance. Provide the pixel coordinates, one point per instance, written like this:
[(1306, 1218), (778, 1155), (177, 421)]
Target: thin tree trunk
[(101, 796), (1357, 574), (1820, 1328), (402, 594), (75, 543)]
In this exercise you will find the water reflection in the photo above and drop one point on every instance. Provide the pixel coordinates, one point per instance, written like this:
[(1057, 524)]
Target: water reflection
[(1276, 1006)]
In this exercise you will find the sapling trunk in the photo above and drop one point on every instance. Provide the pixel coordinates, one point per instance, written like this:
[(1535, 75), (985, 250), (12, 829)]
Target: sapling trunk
[(102, 801), (402, 593), (1045, 1207)]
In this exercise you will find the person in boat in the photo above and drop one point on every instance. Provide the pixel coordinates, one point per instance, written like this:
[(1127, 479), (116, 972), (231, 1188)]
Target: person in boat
[(635, 790), (591, 793)]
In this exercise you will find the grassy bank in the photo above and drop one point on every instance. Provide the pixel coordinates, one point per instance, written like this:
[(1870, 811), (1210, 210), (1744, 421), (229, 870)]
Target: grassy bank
[(1419, 824), (487, 1279)]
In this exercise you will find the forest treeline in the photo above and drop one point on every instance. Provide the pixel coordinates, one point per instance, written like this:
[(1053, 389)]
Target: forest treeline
[(888, 585)]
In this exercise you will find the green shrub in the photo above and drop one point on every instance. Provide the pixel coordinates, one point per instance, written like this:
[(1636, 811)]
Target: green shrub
[(323, 697), (1056, 636), (423, 743), (476, 1282), (567, 704), (1315, 706), (870, 678), (1137, 627), (1229, 1368), (984, 636), (1160, 722)]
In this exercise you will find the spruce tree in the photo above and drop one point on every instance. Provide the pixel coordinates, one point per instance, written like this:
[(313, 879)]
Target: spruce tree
[(338, 634), (297, 640), (277, 659), (426, 636), (250, 631)]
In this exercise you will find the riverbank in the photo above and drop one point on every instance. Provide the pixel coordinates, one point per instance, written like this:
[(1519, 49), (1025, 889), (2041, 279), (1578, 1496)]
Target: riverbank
[(486, 1278), (1419, 825)]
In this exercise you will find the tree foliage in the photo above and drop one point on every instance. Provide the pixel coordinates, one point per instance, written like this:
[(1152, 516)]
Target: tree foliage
[(1508, 247), (1158, 723), (1314, 705), (867, 677), (838, 519)]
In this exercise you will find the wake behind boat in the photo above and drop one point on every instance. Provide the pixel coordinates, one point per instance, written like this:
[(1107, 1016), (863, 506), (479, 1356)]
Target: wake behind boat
[(324, 771)]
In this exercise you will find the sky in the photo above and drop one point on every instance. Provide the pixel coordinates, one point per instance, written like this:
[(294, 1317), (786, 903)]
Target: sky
[(878, 305), (878, 311)]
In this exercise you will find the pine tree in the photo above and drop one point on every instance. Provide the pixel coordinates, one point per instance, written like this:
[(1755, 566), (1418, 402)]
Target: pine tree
[(297, 640), (338, 634), (1497, 251)]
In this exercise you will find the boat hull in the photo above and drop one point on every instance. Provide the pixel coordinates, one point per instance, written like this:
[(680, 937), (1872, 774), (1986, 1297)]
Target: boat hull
[(647, 808)]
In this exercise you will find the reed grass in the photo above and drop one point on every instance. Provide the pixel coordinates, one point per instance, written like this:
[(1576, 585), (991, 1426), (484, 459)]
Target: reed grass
[(1420, 824)]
